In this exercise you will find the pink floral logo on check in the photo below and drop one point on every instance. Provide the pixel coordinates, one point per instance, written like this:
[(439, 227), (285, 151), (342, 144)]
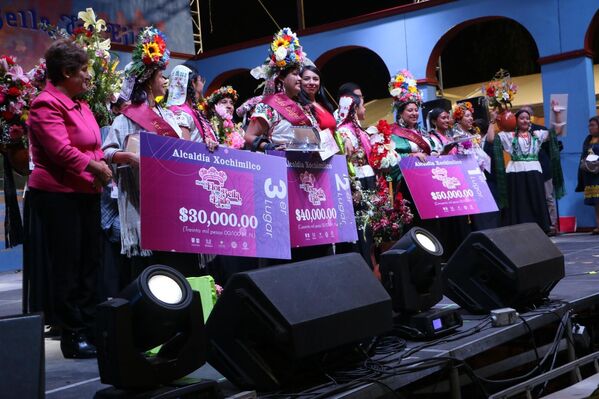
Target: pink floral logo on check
[(447, 181), (315, 195), (213, 181)]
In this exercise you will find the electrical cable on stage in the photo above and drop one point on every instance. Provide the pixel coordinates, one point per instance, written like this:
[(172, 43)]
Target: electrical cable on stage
[(378, 366)]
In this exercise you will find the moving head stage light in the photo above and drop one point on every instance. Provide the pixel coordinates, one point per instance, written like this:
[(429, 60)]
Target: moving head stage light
[(411, 274), (158, 308)]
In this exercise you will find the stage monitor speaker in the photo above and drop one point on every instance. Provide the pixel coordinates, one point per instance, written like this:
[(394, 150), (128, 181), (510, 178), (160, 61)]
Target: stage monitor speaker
[(275, 325), (481, 109), (513, 266), (22, 364), (430, 105)]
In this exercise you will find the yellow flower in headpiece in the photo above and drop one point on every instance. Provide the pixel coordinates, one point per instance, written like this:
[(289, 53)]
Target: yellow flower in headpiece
[(152, 49), (281, 63), (230, 90), (412, 89), (278, 43), (399, 78)]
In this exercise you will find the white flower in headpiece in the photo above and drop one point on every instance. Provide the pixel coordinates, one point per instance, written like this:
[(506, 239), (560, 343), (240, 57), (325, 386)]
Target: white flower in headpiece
[(260, 72), (411, 82), (396, 92), (281, 53)]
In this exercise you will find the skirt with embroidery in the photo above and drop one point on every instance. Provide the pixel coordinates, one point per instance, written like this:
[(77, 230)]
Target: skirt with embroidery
[(591, 188)]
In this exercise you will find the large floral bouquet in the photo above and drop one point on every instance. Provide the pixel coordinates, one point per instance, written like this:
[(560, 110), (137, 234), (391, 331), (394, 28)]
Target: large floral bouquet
[(16, 94), (500, 91), (105, 79), (384, 212), (229, 133), (382, 155)]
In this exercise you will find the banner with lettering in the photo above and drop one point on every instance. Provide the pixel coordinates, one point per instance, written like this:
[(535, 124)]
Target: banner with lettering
[(450, 185), (21, 36), (320, 200), (229, 202)]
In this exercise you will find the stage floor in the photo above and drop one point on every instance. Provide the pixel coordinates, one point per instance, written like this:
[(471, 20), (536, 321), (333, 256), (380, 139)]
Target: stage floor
[(80, 379)]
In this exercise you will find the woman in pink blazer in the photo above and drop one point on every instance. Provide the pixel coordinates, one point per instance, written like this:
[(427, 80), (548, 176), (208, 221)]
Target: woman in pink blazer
[(62, 254)]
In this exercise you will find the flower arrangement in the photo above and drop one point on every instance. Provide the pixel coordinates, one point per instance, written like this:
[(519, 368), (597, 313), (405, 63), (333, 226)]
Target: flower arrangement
[(149, 54), (284, 52), (38, 75), (16, 94), (403, 88), (229, 133), (460, 109), (382, 155), (105, 79), (386, 213), (500, 91)]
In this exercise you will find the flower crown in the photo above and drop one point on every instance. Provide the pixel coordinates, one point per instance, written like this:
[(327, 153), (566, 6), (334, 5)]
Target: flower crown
[(220, 93), (460, 109), (150, 53), (403, 89), (284, 52)]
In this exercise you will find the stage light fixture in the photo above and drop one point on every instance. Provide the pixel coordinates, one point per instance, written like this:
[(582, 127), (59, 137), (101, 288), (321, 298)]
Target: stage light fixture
[(157, 308), (411, 273)]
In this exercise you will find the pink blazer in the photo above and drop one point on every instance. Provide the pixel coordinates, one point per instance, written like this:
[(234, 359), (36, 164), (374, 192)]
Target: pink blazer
[(64, 136)]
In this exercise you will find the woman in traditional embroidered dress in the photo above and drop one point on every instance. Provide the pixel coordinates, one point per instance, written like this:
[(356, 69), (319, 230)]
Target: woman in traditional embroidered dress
[(143, 83), (273, 118), (464, 128), (451, 230), (525, 186), (588, 181), (355, 144), (184, 92), (221, 105), (63, 254), (463, 116), (312, 93)]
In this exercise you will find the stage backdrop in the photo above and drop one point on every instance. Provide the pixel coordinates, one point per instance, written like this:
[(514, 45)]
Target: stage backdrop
[(21, 37)]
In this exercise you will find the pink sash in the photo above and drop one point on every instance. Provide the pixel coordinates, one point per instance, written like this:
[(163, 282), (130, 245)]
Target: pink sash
[(149, 120), (203, 126), (444, 140), (288, 109), (413, 137)]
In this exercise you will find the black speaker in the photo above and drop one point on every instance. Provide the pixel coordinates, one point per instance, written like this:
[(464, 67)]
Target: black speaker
[(430, 105), (512, 266), (22, 356), (272, 326), (481, 109)]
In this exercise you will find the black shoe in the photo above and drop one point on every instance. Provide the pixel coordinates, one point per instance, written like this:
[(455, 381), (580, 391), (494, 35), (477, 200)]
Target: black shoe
[(75, 345)]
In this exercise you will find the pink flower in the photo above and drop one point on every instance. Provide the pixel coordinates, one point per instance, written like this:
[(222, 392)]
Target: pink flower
[(2, 98)]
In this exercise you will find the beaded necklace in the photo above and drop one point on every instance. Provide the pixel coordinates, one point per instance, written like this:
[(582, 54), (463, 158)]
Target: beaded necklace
[(518, 154)]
